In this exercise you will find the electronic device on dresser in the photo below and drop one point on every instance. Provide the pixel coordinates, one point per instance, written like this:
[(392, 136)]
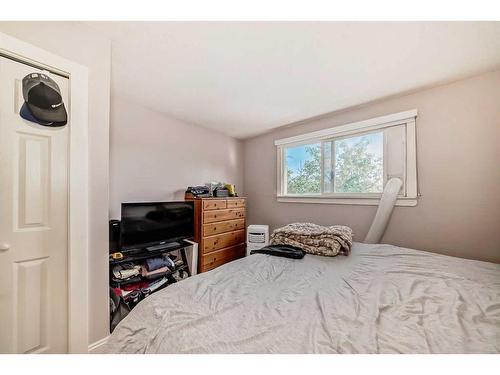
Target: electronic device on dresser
[(219, 230)]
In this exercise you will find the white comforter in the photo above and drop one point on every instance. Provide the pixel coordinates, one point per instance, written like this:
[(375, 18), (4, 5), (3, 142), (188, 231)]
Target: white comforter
[(379, 299)]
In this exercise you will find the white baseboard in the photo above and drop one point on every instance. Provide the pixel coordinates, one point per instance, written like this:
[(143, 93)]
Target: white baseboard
[(93, 347)]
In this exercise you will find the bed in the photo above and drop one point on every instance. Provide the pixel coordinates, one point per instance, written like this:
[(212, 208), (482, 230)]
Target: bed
[(379, 299)]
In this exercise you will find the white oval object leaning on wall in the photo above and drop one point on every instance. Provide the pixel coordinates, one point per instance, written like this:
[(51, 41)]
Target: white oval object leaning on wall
[(384, 211)]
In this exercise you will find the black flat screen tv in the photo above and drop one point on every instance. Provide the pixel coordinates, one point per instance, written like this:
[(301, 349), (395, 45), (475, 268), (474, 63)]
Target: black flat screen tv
[(153, 223)]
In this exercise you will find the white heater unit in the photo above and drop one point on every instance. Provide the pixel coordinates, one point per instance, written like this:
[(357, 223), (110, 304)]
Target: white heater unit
[(257, 237)]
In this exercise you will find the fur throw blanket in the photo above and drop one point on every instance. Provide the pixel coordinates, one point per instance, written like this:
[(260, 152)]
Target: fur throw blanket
[(315, 239)]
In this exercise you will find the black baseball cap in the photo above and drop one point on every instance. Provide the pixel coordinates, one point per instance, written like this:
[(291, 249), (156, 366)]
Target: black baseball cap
[(27, 115), (43, 100)]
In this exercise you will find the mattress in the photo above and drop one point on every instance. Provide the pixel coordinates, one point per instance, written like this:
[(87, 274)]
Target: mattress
[(379, 299)]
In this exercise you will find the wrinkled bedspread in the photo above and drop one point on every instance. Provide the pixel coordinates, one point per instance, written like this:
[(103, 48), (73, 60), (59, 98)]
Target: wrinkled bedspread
[(380, 299)]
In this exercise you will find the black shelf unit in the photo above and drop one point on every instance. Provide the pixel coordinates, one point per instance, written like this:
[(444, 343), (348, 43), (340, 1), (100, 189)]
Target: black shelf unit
[(142, 255), (145, 254)]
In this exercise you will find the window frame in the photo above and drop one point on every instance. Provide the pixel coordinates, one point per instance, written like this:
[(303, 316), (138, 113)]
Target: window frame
[(408, 196)]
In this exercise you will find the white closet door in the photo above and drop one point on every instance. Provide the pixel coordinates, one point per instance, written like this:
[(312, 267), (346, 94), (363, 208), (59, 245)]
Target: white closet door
[(33, 223)]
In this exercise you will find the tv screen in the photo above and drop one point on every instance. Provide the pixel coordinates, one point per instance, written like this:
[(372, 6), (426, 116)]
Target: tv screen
[(146, 224)]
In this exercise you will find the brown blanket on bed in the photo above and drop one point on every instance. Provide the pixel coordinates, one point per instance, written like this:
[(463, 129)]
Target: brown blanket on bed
[(315, 239)]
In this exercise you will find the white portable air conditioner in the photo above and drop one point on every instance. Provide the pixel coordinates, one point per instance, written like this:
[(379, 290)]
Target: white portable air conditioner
[(257, 237)]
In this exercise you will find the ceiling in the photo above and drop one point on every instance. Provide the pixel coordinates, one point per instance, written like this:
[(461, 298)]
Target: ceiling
[(245, 78)]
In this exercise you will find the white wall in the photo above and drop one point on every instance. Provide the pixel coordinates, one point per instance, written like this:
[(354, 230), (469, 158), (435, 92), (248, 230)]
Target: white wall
[(79, 43), (458, 159), (154, 157)]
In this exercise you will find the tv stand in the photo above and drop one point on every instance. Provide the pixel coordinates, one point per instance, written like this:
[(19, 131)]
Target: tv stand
[(133, 289)]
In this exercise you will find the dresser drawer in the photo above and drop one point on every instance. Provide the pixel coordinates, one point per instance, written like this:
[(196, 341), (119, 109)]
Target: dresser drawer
[(218, 258), (214, 204), (221, 215), (223, 227), (235, 203), (223, 240)]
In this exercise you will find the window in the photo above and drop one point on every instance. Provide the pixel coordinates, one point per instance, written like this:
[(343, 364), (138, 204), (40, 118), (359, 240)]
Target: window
[(350, 163), (303, 169), (354, 164)]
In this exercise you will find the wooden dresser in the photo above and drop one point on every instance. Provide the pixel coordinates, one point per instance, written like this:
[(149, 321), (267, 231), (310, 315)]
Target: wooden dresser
[(219, 230)]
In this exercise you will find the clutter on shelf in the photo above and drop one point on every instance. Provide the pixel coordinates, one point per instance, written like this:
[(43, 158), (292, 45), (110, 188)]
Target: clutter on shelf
[(211, 189), (133, 280)]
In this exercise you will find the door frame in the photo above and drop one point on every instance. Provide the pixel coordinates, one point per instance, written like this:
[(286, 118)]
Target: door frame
[(78, 190)]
